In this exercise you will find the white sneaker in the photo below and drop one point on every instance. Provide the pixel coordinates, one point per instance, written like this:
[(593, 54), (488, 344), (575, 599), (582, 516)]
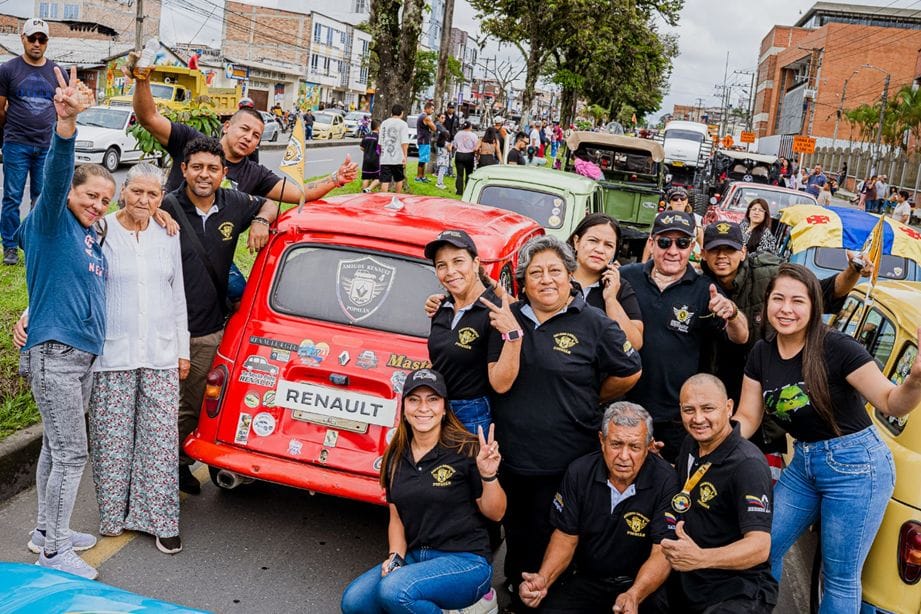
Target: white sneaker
[(70, 562), (489, 604), (78, 541)]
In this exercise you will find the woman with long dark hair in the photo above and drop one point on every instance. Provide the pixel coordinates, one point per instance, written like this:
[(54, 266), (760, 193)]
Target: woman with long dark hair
[(756, 227), (594, 242), (441, 486), (814, 380), (487, 150)]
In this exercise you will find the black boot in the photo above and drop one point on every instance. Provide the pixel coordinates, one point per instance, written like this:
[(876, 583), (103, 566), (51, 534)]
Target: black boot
[(188, 483)]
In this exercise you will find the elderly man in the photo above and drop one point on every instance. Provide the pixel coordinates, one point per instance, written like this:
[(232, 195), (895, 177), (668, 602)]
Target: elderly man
[(723, 535), (610, 514), (681, 310)]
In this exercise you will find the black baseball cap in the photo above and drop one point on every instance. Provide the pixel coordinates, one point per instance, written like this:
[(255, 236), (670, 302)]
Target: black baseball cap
[(674, 220), (457, 238), (425, 377), (676, 191), (719, 234)]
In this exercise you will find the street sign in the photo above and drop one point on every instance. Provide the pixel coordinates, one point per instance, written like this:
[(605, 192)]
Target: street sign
[(747, 137), (728, 141), (803, 144)]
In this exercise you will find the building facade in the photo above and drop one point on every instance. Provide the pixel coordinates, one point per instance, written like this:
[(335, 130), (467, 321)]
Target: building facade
[(118, 15)]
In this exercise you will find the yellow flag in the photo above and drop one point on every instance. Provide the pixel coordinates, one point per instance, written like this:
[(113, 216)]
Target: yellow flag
[(292, 164), (873, 248)]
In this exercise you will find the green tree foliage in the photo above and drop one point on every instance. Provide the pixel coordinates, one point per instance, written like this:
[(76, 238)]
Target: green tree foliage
[(200, 116), (395, 26), (424, 74), (903, 114)]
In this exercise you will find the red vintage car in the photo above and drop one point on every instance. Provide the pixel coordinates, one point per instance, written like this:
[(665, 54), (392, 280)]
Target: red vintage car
[(733, 203), (305, 388)]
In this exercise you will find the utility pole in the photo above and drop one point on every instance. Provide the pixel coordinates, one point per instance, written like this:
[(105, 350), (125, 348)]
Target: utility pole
[(700, 103), (139, 27), (444, 50), (834, 138), (882, 119), (751, 103), (724, 103), (815, 67)]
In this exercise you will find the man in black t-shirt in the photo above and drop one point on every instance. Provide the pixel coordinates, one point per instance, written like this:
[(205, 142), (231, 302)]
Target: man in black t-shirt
[(723, 512), (211, 220), (517, 155), (609, 517), (240, 137)]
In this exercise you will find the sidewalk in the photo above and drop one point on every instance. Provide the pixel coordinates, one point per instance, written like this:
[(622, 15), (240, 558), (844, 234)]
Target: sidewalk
[(282, 143)]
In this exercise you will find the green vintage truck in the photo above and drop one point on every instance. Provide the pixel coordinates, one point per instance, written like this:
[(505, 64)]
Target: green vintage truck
[(630, 189)]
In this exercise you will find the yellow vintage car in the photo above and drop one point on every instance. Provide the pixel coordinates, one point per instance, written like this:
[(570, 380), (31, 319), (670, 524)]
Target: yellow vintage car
[(887, 326)]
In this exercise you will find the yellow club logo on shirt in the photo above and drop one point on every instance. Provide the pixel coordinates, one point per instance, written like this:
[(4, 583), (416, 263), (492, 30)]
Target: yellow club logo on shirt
[(442, 475), (565, 342), (226, 230), (636, 523), (707, 492), (466, 336)]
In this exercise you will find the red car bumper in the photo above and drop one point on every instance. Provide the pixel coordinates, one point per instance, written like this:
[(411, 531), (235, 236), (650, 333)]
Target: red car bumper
[(285, 472)]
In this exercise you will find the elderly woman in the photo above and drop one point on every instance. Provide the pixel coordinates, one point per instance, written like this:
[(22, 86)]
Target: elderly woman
[(460, 327), (437, 540), (552, 361), (135, 399), (594, 242)]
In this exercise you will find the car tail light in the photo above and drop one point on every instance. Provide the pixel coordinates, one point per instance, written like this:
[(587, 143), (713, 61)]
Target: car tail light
[(910, 552), (214, 390)]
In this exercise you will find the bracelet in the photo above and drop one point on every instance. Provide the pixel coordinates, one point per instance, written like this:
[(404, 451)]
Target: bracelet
[(491, 478), (261, 220), (735, 314), (334, 177)]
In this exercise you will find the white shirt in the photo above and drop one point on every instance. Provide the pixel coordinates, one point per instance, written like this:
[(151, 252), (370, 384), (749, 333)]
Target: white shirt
[(146, 319), (393, 135), (535, 137), (902, 212)]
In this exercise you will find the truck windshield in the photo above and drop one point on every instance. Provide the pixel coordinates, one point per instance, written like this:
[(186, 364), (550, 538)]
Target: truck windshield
[(546, 209), (684, 135), (355, 288)]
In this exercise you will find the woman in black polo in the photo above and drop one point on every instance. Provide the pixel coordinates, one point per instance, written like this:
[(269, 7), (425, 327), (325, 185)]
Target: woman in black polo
[(552, 361), (441, 486), (594, 242), (460, 327)]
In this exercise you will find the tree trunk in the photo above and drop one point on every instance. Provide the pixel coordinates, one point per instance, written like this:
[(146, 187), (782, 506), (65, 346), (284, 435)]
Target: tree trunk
[(567, 107), (441, 75), (394, 46), (530, 82)]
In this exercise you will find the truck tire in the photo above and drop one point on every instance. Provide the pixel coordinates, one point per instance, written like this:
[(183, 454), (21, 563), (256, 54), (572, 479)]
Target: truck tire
[(698, 201), (110, 159)]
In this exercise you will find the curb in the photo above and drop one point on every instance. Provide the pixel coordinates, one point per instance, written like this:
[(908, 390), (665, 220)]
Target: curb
[(18, 459)]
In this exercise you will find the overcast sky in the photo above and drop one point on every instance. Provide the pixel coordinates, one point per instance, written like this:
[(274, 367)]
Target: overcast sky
[(708, 29)]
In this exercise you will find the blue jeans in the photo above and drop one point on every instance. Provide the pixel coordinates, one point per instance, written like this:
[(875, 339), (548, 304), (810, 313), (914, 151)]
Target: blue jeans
[(62, 377), (473, 413), (846, 482), (431, 581), (19, 161)]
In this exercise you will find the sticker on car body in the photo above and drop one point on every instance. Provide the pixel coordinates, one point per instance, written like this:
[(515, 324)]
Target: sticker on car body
[(243, 424)]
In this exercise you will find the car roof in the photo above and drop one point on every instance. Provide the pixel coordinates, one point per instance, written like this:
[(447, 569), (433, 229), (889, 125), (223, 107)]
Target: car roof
[(751, 185), (421, 218), (905, 293), (536, 175), (615, 140)]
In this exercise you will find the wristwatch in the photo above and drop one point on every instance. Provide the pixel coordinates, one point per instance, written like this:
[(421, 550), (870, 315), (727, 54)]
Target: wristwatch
[(513, 335)]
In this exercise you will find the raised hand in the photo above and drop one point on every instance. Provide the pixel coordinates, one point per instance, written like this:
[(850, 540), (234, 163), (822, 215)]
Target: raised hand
[(683, 553), (501, 318), (720, 305), (71, 99), (610, 281), (347, 171), (488, 458)]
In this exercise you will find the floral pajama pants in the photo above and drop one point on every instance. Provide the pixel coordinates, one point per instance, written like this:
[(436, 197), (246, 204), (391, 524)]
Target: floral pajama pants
[(134, 442)]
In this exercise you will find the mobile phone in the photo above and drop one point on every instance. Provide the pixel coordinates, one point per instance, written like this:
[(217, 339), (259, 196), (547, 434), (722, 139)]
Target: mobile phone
[(395, 561)]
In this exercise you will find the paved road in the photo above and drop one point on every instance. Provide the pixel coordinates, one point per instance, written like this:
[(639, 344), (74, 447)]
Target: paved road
[(260, 548)]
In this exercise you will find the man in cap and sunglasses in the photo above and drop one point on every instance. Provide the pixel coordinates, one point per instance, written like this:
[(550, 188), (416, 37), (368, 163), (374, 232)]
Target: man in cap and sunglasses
[(681, 310), (27, 115)]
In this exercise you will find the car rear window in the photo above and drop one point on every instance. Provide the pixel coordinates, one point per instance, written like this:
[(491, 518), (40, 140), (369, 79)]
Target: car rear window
[(777, 201), (891, 267), (546, 209), (357, 288)]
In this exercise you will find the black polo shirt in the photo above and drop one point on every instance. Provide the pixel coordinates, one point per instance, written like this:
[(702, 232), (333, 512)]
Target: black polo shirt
[(550, 416), (676, 322), (218, 236), (614, 543), (626, 296), (459, 353), (246, 175), (731, 499), (436, 499)]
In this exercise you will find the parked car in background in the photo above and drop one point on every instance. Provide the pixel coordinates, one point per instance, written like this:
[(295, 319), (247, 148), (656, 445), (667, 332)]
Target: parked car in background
[(887, 327), (328, 125), (103, 138), (475, 122), (305, 388), (353, 119), (272, 127), (413, 149), (734, 202)]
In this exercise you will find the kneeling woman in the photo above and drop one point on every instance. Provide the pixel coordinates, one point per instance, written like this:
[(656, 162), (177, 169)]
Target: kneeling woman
[(441, 487)]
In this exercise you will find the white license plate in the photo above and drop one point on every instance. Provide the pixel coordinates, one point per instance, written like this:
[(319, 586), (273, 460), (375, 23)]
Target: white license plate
[(306, 398)]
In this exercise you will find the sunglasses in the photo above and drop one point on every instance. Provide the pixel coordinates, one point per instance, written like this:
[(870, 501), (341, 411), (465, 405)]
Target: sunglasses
[(677, 198), (41, 38), (666, 242)]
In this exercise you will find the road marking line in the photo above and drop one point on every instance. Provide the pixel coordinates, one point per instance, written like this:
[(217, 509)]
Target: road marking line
[(311, 160), (107, 547)]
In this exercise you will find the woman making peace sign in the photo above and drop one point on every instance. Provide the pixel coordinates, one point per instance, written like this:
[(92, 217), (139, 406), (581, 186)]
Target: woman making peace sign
[(441, 487)]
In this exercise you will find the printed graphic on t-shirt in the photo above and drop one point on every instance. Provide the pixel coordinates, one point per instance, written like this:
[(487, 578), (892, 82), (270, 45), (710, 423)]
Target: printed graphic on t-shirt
[(782, 402), (36, 93), (390, 142)]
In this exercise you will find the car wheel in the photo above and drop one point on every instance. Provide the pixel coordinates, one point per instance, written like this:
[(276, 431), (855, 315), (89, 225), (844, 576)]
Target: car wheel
[(507, 280), (110, 159)]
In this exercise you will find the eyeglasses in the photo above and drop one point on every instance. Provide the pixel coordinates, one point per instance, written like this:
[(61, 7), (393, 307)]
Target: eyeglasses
[(40, 38), (677, 198), (666, 242)]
